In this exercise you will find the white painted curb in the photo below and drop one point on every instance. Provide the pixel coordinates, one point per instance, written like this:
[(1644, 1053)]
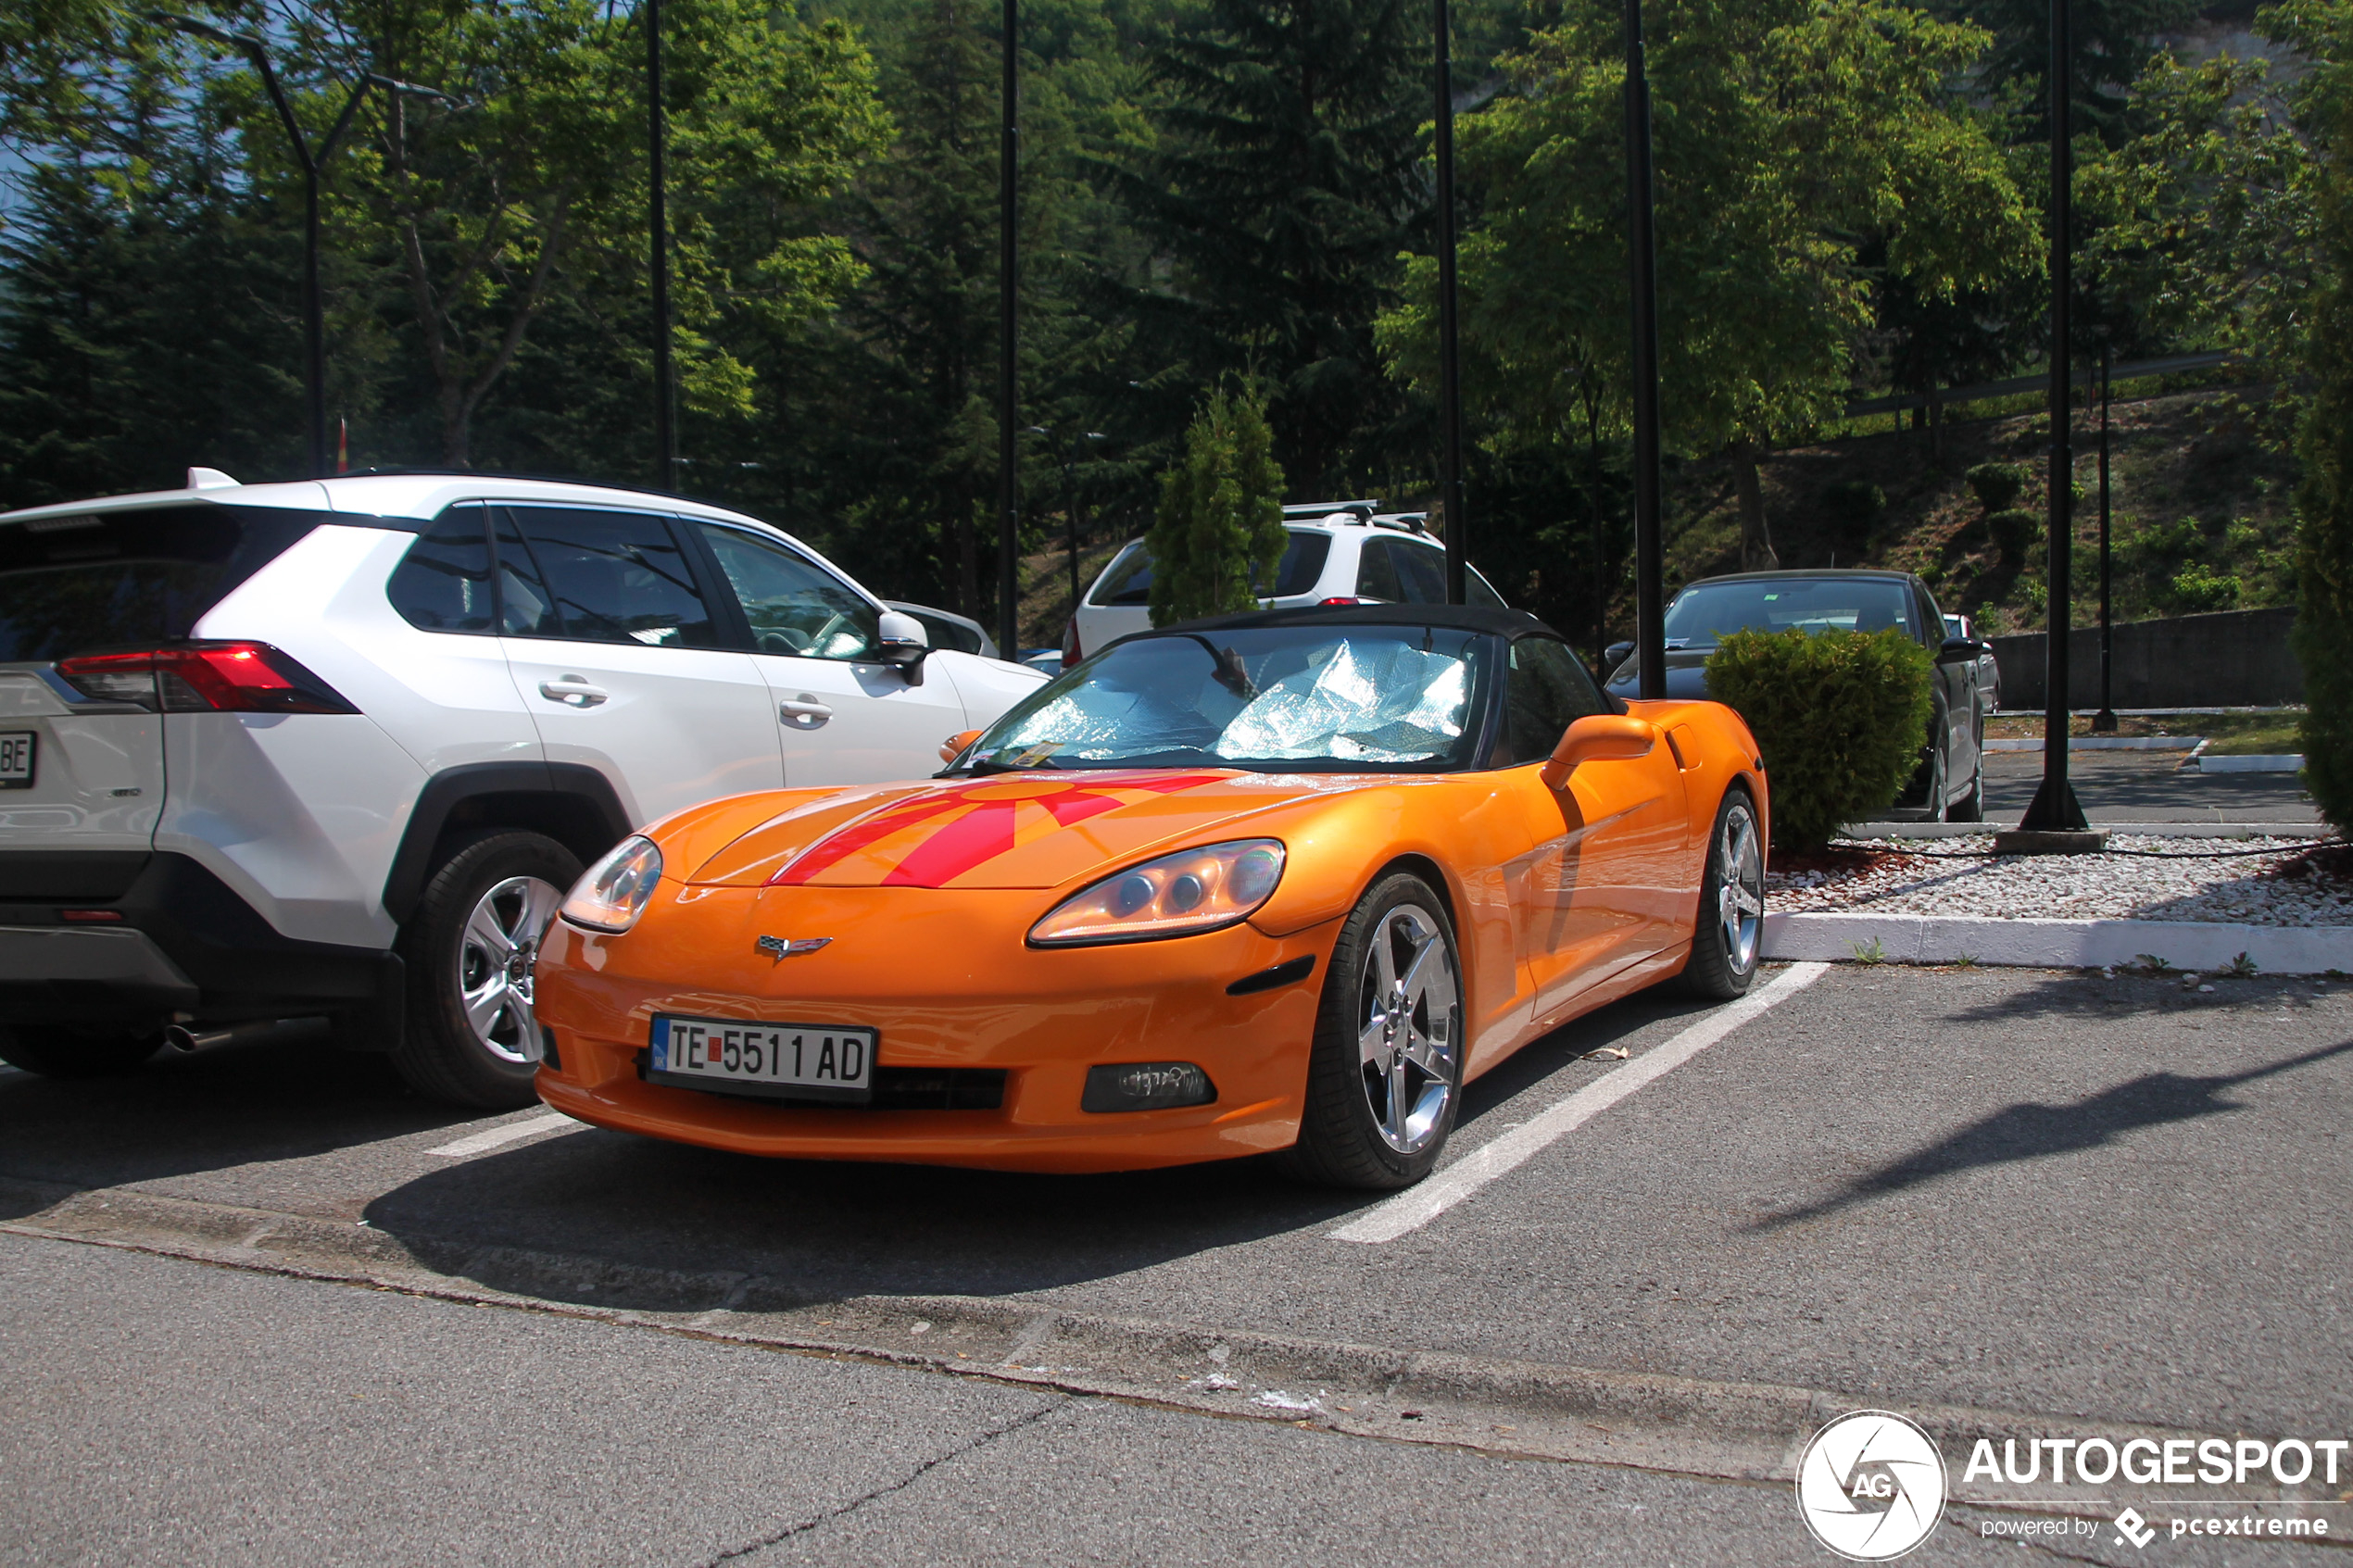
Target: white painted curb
[(2100, 743), (2278, 762), (2058, 944)]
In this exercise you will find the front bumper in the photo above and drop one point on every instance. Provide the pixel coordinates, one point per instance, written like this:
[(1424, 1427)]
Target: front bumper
[(945, 978)]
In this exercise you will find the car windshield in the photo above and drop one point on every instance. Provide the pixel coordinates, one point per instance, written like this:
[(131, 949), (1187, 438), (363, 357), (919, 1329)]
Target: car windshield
[(1706, 612), (1276, 698)]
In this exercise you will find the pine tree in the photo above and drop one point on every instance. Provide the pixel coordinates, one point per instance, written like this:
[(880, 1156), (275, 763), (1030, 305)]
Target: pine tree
[(1219, 535), (1286, 181)]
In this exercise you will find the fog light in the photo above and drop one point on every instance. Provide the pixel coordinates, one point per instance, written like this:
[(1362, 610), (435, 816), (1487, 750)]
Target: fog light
[(1146, 1086)]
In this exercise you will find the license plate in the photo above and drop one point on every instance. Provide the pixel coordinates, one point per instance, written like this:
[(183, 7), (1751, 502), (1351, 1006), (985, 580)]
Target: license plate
[(16, 759), (789, 1061)]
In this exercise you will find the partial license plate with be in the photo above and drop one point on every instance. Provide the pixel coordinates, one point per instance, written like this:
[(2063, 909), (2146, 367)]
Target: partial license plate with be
[(16, 759), (789, 1060)]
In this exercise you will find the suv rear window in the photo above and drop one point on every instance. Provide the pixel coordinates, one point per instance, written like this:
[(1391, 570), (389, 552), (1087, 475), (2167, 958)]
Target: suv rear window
[(1129, 581), (69, 585)]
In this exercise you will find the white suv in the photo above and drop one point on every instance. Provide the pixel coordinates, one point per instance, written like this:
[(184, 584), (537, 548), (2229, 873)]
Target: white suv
[(1339, 552), (339, 748)]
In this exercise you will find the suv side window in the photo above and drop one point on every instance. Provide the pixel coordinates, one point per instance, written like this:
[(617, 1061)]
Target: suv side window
[(1548, 692), (1376, 573), (611, 577), (442, 583), (1422, 571), (795, 608)]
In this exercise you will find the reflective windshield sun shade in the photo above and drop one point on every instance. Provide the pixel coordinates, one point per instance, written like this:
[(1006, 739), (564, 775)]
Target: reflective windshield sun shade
[(1284, 697), (118, 579), (1705, 612)]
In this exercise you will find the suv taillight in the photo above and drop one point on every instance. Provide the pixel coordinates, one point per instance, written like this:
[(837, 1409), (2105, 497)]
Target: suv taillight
[(204, 678), (1071, 654)]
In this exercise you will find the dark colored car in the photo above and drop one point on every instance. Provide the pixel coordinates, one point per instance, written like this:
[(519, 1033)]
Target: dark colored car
[(1950, 783)]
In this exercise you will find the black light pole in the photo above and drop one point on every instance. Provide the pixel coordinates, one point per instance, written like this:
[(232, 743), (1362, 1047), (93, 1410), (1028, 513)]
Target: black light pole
[(1008, 258), (314, 163), (658, 254), (2104, 722), (2055, 809), (1450, 384), (1650, 554)]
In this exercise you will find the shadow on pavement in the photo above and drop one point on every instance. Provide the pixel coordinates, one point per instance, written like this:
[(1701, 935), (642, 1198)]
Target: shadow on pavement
[(2032, 1131), (284, 1096), (2144, 786), (648, 1212), (2093, 995)]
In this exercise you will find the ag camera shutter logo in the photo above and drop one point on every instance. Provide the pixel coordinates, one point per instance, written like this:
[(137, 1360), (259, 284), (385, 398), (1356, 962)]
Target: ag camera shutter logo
[(1870, 1485)]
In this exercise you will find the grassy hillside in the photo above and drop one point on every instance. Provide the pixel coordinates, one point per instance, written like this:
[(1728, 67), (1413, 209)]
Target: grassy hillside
[(2201, 508)]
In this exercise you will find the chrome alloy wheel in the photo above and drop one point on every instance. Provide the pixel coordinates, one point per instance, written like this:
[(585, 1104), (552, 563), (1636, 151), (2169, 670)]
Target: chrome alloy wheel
[(495, 952), (1739, 890), (1408, 1027)]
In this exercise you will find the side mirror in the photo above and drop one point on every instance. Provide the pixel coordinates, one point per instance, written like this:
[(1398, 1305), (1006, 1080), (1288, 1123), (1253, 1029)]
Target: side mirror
[(1598, 737), (901, 642), (1955, 649), (1614, 656), (953, 747)]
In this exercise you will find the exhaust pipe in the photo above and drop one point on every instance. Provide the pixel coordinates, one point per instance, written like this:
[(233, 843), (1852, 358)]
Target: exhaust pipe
[(180, 1037)]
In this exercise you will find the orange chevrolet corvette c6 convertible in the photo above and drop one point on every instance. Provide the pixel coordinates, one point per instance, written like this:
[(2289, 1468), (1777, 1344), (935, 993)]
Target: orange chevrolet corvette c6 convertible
[(1278, 883)]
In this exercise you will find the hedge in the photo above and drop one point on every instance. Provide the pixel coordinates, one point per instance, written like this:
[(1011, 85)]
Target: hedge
[(1840, 718)]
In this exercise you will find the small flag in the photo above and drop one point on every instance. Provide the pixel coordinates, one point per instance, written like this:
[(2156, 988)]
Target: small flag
[(343, 444)]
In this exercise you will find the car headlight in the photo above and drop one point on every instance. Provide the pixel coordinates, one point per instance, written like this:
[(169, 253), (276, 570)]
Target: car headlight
[(1193, 890), (611, 893)]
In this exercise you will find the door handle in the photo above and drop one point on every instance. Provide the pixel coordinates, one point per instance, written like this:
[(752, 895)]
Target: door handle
[(577, 690), (803, 712)]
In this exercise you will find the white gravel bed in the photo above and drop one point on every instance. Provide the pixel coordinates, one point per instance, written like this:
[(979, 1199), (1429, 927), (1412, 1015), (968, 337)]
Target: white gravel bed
[(2108, 886)]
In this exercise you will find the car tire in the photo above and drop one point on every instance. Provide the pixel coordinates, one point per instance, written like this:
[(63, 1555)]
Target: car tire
[(1380, 1125), (1970, 807), (1727, 934), (471, 1038), (64, 1051)]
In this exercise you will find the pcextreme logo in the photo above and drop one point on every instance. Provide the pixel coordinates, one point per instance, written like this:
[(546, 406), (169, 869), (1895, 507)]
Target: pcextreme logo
[(1870, 1485)]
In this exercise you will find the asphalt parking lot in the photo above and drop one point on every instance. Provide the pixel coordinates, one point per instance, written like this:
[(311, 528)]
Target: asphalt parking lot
[(2113, 1202), (2146, 786)]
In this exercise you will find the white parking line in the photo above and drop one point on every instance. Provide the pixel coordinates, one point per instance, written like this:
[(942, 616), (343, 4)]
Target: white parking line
[(500, 1137), (1416, 1207)]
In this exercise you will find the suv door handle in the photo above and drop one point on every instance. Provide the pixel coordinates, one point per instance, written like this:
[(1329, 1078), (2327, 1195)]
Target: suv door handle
[(803, 712), (574, 689)]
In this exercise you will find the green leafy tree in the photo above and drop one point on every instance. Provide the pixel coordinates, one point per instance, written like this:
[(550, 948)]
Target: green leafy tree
[(1786, 132), (1280, 185), (1219, 533)]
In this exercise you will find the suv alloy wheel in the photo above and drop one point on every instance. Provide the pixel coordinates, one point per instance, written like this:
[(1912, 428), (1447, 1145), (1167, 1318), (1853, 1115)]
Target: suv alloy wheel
[(472, 1036)]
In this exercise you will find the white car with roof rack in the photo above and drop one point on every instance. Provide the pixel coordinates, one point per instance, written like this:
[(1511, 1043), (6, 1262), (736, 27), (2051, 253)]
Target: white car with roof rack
[(338, 747), (1339, 552)]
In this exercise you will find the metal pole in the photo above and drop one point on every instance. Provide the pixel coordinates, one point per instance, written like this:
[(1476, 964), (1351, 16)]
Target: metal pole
[(1450, 384), (1650, 555), (2054, 808), (658, 248), (2105, 719), (1008, 326)]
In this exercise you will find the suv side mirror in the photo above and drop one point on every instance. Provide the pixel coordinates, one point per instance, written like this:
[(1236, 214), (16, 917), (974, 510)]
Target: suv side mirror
[(901, 642), (1614, 656), (1598, 737)]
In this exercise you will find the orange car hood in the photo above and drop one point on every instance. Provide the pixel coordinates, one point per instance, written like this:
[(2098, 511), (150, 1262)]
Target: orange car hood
[(1022, 829)]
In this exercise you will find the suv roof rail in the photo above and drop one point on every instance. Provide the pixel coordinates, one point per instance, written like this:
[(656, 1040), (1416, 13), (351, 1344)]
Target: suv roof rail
[(1412, 523), (1362, 511)]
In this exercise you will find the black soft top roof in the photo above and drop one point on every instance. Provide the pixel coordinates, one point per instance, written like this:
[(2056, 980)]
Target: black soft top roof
[(1512, 624)]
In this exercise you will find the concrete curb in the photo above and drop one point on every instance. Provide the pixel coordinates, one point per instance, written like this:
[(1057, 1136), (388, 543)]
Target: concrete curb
[(2141, 830), (2102, 743), (2278, 762), (1742, 1431), (2059, 944)]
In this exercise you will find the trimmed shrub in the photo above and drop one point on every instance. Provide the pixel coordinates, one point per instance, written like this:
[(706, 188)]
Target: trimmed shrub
[(1839, 717), (1996, 484), (2014, 533), (1219, 530)]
